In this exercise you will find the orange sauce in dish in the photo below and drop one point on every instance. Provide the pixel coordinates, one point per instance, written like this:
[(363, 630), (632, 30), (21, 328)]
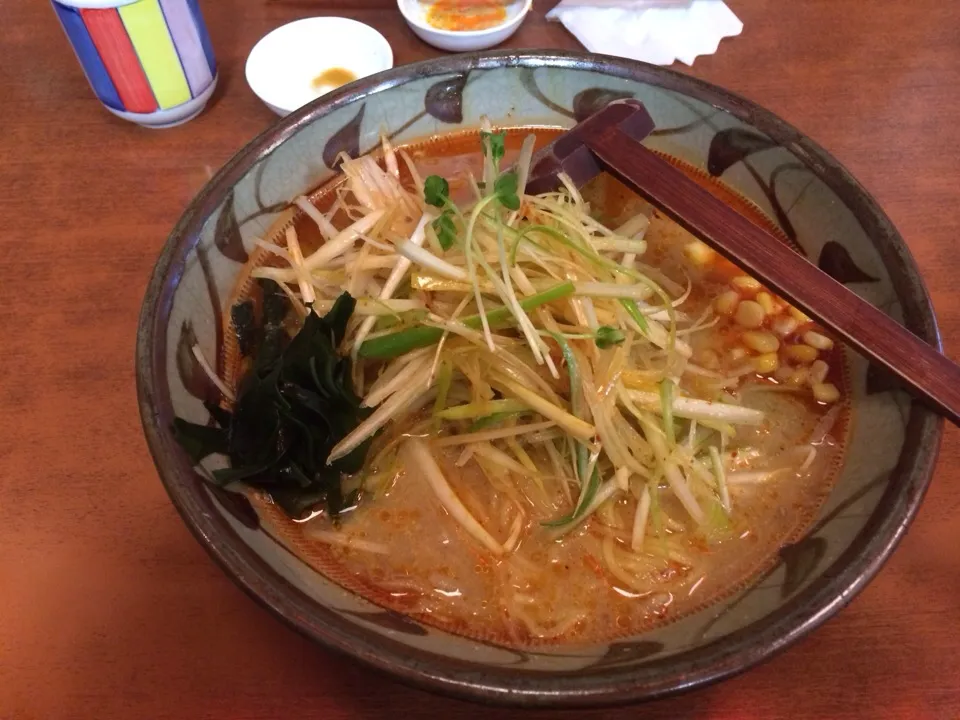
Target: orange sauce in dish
[(333, 78), (461, 15)]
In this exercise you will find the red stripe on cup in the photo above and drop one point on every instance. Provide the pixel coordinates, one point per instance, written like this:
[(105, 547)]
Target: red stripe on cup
[(116, 51)]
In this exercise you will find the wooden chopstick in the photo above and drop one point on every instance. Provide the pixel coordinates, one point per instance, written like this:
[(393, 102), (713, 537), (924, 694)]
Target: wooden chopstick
[(874, 334)]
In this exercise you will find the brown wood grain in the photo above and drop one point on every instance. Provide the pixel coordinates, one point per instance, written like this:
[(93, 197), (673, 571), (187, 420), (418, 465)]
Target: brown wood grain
[(108, 607)]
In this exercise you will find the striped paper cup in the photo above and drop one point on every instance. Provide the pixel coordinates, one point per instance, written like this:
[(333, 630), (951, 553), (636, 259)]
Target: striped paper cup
[(149, 61)]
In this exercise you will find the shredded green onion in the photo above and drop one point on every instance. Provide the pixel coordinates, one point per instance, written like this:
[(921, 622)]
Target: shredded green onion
[(638, 317), (586, 498), (444, 380), (389, 346), (482, 423), (666, 405), (468, 298)]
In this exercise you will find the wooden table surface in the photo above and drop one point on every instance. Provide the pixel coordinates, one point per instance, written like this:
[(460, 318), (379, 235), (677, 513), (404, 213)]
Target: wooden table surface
[(108, 607)]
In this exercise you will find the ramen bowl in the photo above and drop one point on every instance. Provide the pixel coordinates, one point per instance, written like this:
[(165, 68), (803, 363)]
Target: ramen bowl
[(890, 449)]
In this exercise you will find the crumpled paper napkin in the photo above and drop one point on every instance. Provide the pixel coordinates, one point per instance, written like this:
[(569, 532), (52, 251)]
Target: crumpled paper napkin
[(654, 31)]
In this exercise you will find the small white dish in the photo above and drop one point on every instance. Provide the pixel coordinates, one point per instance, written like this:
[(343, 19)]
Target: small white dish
[(415, 13), (291, 65)]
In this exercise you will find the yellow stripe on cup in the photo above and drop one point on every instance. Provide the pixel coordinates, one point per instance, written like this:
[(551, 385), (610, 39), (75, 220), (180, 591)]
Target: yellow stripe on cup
[(148, 32)]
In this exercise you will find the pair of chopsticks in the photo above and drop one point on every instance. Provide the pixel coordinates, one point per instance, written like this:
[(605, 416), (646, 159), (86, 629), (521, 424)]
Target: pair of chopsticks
[(610, 140)]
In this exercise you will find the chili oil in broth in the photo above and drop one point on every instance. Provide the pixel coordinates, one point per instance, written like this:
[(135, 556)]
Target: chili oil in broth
[(561, 591)]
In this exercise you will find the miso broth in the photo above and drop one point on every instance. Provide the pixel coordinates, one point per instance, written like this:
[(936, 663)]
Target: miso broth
[(398, 545)]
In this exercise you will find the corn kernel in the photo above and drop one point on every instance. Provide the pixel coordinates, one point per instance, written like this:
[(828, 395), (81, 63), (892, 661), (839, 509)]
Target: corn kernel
[(745, 283), (726, 303), (815, 339), (803, 354), (825, 392), (699, 253), (799, 377), (766, 302), (818, 372), (749, 314), (707, 358), (761, 342), (798, 315), (766, 363), (783, 373), (784, 325)]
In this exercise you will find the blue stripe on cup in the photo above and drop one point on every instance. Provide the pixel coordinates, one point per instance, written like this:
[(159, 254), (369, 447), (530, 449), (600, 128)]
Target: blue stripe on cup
[(204, 37), (88, 56)]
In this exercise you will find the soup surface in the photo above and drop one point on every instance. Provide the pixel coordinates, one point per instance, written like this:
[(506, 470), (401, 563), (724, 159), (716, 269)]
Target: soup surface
[(599, 577)]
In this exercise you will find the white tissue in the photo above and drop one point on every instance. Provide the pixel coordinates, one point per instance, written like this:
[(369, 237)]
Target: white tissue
[(654, 31)]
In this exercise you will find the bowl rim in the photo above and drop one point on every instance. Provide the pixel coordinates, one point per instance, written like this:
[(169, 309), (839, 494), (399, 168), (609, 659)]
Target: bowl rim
[(440, 32), (727, 656)]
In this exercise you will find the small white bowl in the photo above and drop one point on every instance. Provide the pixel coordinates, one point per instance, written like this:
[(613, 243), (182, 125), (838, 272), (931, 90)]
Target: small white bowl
[(415, 13), (283, 65)]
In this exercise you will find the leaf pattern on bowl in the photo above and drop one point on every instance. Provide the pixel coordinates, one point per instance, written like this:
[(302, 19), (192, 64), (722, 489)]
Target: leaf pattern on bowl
[(262, 207), (258, 190), (804, 560), (528, 80), (213, 296), (733, 145), (235, 503), (587, 102), (725, 610), (848, 502), (686, 127), (624, 653), (346, 139), (778, 210), (835, 261), (226, 235), (194, 379), (800, 559), (444, 99), (783, 169), (390, 621), (879, 380)]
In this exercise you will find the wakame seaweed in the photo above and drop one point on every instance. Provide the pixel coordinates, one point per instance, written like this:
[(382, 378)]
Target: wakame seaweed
[(292, 407), (242, 317)]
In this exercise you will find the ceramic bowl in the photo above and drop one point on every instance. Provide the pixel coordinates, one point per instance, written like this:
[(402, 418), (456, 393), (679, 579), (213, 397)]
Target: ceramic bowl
[(806, 192), (285, 68), (415, 13)]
